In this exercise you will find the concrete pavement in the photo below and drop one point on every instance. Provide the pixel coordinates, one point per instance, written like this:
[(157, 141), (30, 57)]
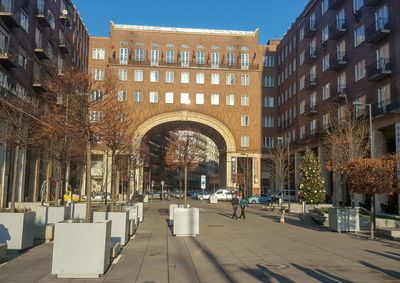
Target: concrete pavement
[(258, 249)]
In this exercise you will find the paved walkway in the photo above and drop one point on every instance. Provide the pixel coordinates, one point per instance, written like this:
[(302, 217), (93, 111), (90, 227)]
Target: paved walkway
[(258, 249)]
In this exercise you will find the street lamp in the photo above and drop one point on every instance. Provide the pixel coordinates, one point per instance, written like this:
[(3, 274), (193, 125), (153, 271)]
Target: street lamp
[(371, 142), (288, 166)]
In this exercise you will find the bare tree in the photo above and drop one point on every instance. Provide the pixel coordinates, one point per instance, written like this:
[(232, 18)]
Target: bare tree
[(183, 152)]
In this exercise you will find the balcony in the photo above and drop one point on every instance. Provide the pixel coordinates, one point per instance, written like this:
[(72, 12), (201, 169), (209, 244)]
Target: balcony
[(311, 82), (43, 17), (310, 109), (310, 29), (339, 62), (8, 56), (338, 30), (65, 18), (386, 106), (379, 70), (338, 94), (116, 61), (64, 46), (378, 30), (9, 14), (335, 4), (372, 2), (310, 55), (38, 82), (43, 52)]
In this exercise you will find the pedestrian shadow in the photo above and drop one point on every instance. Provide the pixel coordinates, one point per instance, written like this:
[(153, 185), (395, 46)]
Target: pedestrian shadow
[(266, 275), (225, 214), (321, 275), (298, 223), (386, 254), (391, 273)]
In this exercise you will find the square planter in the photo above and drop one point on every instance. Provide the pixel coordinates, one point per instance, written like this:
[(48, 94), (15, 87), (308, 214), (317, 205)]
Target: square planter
[(119, 225), (146, 199), (344, 219), (171, 213), (44, 232), (140, 210), (81, 250), (32, 206), (133, 217), (186, 221), (77, 210), (50, 214), (17, 229), (3, 251), (213, 199)]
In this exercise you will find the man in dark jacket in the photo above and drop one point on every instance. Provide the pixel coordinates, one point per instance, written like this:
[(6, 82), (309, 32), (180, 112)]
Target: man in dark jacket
[(235, 205)]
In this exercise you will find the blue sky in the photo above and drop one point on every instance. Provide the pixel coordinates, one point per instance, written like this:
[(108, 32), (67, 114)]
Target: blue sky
[(273, 17)]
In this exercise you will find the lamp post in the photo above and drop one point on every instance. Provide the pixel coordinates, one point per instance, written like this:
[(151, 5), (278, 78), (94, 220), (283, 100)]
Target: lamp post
[(288, 166)]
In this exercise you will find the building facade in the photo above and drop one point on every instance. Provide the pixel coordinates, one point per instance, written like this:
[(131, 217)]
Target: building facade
[(180, 78), (338, 52), (38, 39)]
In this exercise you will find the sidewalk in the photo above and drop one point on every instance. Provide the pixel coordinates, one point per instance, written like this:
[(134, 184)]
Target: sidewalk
[(258, 249)]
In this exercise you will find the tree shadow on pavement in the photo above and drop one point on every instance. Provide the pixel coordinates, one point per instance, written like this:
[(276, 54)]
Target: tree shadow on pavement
[(392, 273), (266, 275), (298, 223), (321, 275), (386, 254)]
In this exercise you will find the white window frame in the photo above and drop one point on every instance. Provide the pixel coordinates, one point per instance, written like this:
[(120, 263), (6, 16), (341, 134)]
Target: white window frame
[(200, 98)]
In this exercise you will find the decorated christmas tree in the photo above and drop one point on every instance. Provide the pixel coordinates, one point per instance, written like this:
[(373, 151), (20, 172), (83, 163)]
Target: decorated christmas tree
[(312, 187)]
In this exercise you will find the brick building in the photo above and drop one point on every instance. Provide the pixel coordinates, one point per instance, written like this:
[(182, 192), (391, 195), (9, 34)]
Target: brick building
[(181, 78), (338, 52), (38, 39)]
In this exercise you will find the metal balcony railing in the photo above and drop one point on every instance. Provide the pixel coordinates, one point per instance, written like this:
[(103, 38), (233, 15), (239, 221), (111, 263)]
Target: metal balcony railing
[(9, 13), (379, 69), (378, 30)]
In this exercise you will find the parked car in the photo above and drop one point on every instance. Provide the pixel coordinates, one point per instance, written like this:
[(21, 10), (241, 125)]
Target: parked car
[(196, 193), (277, 195), (223, 194), (204, 195), (100, 196), (263, 198)]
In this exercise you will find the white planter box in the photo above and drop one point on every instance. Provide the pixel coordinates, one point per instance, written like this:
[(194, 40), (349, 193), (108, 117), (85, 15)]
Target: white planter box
[(16, 229), (44, 232), (344, 219), (146, 199), (81, 250), (33, 206), (171, 213), (186, 221), (50, 214), (213, 199), (140, 210), (3, 251), (133, 217), (77, 210), (119, 225)]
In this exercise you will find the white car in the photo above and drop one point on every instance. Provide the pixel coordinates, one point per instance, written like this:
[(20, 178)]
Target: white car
[(205, 195), (100, 196), (223, 194)]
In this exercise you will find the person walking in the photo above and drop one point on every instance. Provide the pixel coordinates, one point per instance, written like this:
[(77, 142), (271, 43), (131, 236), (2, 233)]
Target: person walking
[(235, 204), (243, 204)]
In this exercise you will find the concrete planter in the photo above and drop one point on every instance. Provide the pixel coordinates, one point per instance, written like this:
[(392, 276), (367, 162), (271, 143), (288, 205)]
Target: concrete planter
[(140, 210), (133, 218), (81, 250), (344, 219), (49, 214), (3, 251), (171, 213), (77, 210), (17, 229), (213, 199), (119, 225), (186, 221), (146, 199), (44, 232), (387, 223), (32, 206)]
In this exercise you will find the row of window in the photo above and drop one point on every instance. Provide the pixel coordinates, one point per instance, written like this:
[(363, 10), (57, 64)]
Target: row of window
[(199, 99), (172, 56), (381, 21), (383, 101)]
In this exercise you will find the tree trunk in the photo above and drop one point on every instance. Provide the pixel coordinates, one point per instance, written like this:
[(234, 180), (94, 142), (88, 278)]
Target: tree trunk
[(88, 181), (36, 179), (67, 172), (185, 190), (14, 181), (112, 204), (58, 184), (372, 226), (48, 178)]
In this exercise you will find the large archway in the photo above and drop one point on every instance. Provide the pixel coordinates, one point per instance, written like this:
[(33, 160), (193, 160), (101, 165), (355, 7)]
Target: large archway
[(205, 125)]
